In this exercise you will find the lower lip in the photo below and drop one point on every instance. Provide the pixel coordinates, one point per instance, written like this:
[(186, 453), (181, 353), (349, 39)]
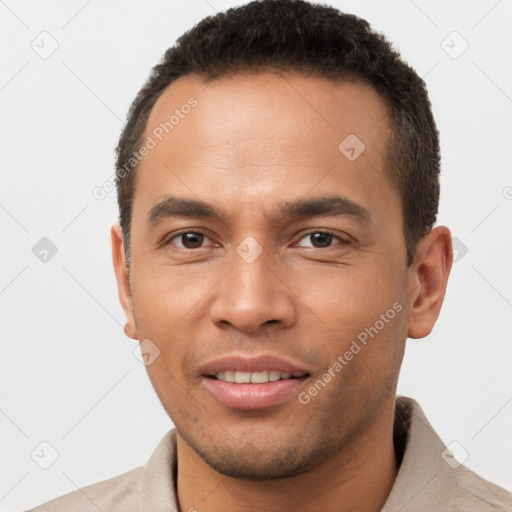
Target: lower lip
[(253, 396)]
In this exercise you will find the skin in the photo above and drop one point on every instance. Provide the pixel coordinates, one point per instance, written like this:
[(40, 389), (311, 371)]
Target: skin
[(253, 142)]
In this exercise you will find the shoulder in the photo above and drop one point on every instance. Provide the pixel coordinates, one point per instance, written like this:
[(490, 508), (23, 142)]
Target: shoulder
[(152, 484), (463, 491), (476, 493), (118, 491), (430, 478)]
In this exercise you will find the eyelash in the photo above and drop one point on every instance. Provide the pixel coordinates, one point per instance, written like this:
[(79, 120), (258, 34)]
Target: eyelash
[(200, 232), (167, 241), (342, 241)]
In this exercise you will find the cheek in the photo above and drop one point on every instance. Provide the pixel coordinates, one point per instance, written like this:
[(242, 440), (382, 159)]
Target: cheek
[(166, 309), (362, 312), (171, 309), (166, 297), (347, 298)]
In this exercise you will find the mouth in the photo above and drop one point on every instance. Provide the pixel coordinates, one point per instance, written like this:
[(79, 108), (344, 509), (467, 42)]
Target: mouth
[(262, 377), (252, 382), (252, 395)]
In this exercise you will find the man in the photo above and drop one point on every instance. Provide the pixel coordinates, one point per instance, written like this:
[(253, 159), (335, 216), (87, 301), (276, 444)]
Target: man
[(278, 185)]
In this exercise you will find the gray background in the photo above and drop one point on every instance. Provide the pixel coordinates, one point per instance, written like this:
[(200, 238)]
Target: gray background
[(68, 374)]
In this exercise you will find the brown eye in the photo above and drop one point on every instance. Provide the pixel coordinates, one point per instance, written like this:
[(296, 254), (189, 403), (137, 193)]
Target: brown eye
[(189, 240), (319, 239)]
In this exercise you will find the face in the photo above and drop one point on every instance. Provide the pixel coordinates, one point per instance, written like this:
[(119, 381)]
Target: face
[(259, 244)]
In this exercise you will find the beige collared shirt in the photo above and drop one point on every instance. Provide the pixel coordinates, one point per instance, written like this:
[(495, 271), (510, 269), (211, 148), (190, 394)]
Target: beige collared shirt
[(429, 479)]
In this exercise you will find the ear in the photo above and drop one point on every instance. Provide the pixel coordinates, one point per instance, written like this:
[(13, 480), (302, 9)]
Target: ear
[(123, 281), (428, 279)]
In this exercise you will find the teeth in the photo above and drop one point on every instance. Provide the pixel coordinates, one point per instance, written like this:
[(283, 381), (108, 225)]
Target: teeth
[(252, 377), (274, 375), (229, 376), (242, 377), (259, 377)]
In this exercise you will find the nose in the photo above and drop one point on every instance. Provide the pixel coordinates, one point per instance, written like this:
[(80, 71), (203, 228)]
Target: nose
[(252, 297)]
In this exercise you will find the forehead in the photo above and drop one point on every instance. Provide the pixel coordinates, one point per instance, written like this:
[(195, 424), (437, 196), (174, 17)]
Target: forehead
[(267, 133), (269, 104)]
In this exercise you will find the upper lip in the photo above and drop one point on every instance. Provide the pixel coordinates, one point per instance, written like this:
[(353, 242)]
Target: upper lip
[(251, 364)]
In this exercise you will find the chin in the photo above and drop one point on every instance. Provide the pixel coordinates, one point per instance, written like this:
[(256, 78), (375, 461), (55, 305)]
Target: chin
[(249, 462)]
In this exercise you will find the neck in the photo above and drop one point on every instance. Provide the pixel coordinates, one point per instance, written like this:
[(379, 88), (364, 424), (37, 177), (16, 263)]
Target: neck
[(358, 478)]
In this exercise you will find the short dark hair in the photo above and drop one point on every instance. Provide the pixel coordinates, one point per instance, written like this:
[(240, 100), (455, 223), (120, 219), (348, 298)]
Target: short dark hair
[(288, 35)]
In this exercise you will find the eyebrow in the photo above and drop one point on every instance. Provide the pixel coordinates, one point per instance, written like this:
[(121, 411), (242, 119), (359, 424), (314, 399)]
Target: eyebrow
[(335, 205)]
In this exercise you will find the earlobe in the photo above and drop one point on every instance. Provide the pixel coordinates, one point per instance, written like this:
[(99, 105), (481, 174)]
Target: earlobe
[(123, 281), (428, 280), (129, 332)]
